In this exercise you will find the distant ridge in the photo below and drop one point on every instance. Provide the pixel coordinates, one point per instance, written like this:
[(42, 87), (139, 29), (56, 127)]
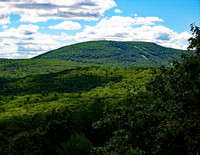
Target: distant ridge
[(115, 53)]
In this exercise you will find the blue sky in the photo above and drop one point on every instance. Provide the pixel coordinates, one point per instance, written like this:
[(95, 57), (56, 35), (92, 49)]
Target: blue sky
[(29, 28)]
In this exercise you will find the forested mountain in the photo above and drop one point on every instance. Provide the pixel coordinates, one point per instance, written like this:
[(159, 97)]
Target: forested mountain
[(114, 53), (94, 53), (55, 105)]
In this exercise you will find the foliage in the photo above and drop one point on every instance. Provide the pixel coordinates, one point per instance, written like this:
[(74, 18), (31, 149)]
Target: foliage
[(194, 42), (38, 134), (77, 144), (65, 81), (101, 110), (164, 119), (39, 122), (18, 68), (117, 54)]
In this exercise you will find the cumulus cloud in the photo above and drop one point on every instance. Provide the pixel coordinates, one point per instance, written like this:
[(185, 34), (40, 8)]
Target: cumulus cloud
[(4, 27), (67, 25), (134, 29), (43, 10), (116, 28), (4, 16), (120, 21), (118, 11), (25, 41)]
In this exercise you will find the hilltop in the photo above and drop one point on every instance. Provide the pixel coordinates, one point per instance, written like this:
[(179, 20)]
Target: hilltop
[(115, 53), (93, 53)]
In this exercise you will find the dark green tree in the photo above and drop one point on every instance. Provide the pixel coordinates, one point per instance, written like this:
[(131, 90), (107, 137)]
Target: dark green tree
[(194, 42), (165, 118)]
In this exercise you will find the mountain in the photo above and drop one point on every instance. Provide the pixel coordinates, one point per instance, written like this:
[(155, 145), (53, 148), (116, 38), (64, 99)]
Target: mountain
[(115, 53)]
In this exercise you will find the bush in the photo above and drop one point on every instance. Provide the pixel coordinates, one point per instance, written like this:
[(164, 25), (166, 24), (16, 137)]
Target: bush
[(77, 144)]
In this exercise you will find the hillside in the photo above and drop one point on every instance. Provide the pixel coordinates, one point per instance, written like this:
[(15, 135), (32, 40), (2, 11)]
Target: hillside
[(113, 53), (94, 53), (18, 68), (40, 112), (100, 110), (57, 106), (100, 97)]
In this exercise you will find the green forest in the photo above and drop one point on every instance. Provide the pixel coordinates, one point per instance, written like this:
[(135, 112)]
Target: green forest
[(115, 54), (87, 106)]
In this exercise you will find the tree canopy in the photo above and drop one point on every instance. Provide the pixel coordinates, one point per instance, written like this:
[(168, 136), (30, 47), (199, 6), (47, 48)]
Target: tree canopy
[(101, 110)]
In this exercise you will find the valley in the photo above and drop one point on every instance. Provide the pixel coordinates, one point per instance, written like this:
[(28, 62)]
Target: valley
[(101, 97)]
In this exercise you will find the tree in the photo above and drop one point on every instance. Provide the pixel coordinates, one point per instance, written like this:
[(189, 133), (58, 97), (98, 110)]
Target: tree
[(195, 40), (165, 118), (179, 88)]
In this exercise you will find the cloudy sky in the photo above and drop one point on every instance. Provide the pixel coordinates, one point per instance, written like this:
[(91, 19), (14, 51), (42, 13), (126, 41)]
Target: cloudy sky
[(32, 27)]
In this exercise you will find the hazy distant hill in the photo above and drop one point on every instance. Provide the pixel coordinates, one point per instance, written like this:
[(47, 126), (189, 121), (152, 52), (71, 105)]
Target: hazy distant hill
[(114, 53)]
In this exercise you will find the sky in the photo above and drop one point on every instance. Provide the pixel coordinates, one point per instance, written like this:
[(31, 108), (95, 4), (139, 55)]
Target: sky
[(32, 27)]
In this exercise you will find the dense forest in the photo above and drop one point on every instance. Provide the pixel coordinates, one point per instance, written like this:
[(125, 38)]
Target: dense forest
[(66, 107), (116, 54), (17, 68)]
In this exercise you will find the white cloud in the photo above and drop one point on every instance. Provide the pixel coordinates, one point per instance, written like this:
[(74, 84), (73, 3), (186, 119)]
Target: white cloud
[(67, 25), (25, 41), (43, 10), (65, 36), (118, 11), (4, 16), (134, 29), (4, 27), (120, 21)]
